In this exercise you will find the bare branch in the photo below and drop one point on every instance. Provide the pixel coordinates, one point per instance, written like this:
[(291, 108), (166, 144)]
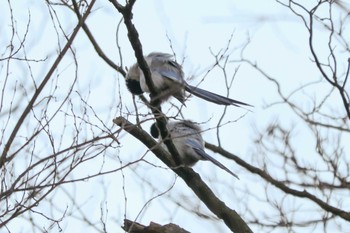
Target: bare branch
[(48, 76), (280, 185), (192, 179)]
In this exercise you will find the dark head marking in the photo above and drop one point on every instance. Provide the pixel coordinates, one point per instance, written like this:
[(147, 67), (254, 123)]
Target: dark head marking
[(134, 86), (154, 130)]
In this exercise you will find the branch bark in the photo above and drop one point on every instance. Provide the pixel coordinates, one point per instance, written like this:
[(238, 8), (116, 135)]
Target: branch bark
[(134, 227)]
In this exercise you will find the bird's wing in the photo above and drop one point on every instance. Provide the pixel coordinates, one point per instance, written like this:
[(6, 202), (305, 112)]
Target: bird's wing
[(198, 148), (170, 73), (160, 55), (166, 67), (212, 97)]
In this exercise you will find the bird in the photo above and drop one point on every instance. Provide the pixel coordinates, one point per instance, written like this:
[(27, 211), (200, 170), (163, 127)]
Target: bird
[(168, 78), (187, 139)]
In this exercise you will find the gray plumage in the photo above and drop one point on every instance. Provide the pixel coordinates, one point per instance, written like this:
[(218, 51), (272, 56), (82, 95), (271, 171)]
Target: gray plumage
[(187, 138), (168, 79)]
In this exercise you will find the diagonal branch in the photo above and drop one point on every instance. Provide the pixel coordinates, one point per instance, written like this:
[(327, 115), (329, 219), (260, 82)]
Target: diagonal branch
[(278, 184), (133, 35), (231, 218), (95, 44)]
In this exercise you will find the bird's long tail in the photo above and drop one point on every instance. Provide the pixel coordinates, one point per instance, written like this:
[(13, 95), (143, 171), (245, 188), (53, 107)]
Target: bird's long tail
[(205, 156), (212, 97)]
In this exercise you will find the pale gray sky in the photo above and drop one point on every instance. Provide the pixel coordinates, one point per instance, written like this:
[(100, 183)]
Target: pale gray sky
[(278, 44)]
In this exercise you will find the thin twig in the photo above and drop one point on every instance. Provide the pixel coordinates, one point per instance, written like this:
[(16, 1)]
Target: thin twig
[(40, 88)]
